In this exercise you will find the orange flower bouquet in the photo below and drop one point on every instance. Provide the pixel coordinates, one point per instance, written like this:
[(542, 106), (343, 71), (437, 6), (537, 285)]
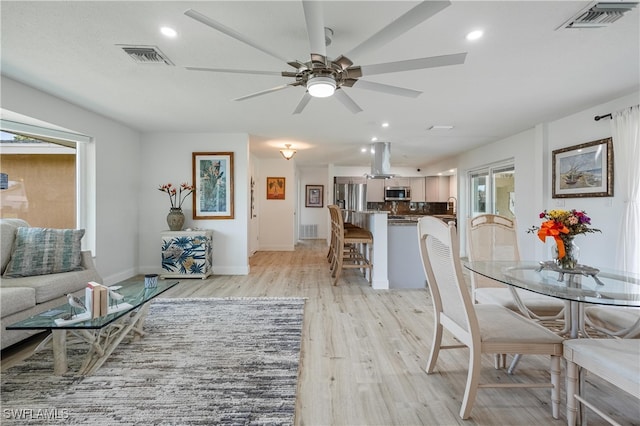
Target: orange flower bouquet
[(563, 226)]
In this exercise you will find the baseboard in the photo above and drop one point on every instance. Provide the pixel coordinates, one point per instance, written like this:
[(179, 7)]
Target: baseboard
[(277, 248)]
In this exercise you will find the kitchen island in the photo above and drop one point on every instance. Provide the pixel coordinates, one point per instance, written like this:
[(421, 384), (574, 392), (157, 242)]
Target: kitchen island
[(404, 263), (396, 254), (376, 223)]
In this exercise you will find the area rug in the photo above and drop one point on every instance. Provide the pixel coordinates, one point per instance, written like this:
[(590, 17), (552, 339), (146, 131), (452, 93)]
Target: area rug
[(202, 361)]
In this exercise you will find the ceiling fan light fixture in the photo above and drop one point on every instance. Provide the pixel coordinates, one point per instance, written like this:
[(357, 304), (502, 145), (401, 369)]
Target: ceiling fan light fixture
[(168, 32), (474, 35), (288, 153), (321, 87)]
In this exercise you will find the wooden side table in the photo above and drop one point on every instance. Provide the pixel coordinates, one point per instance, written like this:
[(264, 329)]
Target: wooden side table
[(187, 254)]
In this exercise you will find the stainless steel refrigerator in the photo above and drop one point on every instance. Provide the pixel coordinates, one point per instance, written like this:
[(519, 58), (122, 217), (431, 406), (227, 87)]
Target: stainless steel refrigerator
[(351, 196)]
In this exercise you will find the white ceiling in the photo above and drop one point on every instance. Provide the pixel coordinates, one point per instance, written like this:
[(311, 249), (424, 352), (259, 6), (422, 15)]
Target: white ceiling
[(522, 72)]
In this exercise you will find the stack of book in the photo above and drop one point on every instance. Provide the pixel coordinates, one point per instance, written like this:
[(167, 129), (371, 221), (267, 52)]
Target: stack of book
[(96, 299)]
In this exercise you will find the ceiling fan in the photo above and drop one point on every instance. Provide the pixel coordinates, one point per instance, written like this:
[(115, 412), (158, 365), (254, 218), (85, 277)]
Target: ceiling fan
[(324, 77)]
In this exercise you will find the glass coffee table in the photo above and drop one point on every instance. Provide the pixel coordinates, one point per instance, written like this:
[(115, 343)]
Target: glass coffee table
[(103, 334)]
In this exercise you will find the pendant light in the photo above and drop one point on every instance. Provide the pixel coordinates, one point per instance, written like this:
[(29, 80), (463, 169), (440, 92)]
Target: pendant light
[(288, 153)]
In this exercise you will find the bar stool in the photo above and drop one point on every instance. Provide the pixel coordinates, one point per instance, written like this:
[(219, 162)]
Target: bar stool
[(351, 248)]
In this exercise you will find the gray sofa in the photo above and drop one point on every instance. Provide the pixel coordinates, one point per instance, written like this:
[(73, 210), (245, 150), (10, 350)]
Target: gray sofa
[(23, 297)]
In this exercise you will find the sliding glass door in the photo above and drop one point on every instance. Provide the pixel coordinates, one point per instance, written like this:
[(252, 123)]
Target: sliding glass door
[(493, 190)]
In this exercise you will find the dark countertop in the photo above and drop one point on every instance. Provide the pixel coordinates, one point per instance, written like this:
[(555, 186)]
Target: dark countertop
[(412, 219)]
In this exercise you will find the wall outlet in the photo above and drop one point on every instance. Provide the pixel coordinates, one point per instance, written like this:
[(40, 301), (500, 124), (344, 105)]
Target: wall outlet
[(559, 202)]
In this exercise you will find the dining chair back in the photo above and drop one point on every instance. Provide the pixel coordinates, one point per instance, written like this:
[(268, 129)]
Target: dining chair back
[(485, 328), (493, 237)]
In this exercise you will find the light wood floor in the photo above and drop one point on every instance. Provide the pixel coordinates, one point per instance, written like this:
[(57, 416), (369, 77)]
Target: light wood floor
[(364, 353)]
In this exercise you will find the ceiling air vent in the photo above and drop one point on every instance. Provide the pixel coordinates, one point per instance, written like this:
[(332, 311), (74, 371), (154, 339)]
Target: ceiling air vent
[(599, 15), (146, 55)]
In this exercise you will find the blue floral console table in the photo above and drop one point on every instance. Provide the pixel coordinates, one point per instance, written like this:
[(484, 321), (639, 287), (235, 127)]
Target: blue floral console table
[(186, 254)]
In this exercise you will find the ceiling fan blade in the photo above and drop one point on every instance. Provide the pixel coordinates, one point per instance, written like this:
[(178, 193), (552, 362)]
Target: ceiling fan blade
[(235, 71), (264, 92), (232, 33), (347, 101), (414, 64), (385, 88), (343, 62), (297, 64), (303, 103), (314, 18), (404, 23)]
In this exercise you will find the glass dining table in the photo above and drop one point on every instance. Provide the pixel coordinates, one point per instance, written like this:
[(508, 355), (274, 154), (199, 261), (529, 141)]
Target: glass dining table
[(584, 284)]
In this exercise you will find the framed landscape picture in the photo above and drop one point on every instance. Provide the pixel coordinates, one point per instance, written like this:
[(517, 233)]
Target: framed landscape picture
[(584, 170), (313, 196), (275, 188), (213, 180)]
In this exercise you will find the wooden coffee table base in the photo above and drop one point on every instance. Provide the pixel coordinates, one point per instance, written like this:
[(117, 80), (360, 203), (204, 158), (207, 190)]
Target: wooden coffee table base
[(102, 342)]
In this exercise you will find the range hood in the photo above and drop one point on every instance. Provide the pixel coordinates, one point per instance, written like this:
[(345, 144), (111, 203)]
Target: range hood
[(380, 161)]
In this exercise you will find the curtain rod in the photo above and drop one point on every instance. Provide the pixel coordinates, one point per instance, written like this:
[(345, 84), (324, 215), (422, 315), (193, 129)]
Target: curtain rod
[(600, 117)]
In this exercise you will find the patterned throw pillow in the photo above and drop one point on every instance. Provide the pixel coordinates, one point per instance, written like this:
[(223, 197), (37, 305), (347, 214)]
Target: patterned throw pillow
[(41, 251)]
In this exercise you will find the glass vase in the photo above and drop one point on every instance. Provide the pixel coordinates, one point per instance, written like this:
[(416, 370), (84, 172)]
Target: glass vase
[(175, 219), (571, 254)]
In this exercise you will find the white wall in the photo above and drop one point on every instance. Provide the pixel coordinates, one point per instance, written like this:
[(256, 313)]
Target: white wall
[(116, 152), (518, 148), (597, 249), (314, 215), (168, 158), (276, 218), (531, 151)]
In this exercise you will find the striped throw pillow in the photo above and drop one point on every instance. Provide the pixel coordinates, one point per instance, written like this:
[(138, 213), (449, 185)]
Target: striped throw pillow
[(41, 251)]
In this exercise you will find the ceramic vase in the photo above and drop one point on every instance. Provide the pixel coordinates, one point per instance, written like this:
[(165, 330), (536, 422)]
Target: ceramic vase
[(175, 219)]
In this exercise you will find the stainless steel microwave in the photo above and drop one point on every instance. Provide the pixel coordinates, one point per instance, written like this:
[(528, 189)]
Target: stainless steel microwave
[(397, 193)]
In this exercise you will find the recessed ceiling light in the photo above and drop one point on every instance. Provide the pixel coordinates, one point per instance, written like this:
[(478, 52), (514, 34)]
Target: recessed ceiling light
[(440, 127), (440, 174), (474, 35), (169, 32), (452, 170), (363, 149), (373, 139), (385, 124)]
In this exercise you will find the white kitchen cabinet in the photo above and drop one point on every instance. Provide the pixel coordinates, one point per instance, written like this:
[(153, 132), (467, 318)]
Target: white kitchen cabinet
[(350, 179), (375, 190), (418, 193), (437, 188), (443, 188), (397, 182), (432, 189)]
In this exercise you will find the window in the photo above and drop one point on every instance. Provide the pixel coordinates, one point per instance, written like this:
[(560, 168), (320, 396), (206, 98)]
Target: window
[(493, 190), (43, 178)]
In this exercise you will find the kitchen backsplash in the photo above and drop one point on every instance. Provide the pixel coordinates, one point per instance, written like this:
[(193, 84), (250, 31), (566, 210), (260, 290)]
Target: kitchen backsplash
[(407, 207)]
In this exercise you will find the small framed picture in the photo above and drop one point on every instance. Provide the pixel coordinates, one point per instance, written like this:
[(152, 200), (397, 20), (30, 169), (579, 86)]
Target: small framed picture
[(584, 170), (314, 196), (275, 188), (213, 180)]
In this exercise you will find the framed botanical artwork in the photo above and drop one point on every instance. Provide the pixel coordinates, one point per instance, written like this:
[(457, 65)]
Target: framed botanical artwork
[(584, 170), (313, 196), (213, 180), (275, 188)]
